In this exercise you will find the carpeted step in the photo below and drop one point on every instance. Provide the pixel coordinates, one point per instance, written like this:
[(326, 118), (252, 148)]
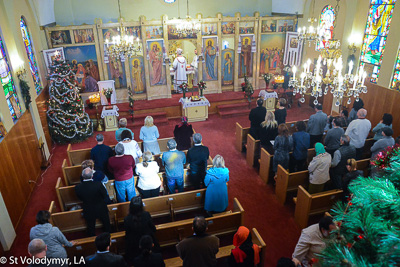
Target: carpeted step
[(233, 113), (160, 118), (235, 106)]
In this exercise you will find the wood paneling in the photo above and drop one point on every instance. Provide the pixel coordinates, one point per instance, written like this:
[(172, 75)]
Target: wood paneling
[(380, 100), (20, 162), (42, 108)]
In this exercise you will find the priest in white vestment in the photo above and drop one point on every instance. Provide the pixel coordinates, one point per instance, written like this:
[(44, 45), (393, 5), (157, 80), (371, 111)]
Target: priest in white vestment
[(195, 65), (180, 70)]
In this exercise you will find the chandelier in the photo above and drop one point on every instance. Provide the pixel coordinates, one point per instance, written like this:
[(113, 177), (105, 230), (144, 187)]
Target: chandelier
[(310, 34), (187, 26), (327, 76), (122, 45)]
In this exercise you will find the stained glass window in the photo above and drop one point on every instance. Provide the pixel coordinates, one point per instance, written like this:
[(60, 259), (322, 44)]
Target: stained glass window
[(31, 55), (376, 31), (8, 84), (326, 25), (396, 73)]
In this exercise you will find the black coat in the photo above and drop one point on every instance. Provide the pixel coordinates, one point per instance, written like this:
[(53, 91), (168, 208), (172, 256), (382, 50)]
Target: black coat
[(197, 157), (93, 195), (107, 259), (256, 117), (152, 260)]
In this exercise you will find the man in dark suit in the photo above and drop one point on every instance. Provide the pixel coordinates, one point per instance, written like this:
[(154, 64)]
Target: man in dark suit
[(93, 195), (103, 256), (199, 249), (256, 117), (197, 157)]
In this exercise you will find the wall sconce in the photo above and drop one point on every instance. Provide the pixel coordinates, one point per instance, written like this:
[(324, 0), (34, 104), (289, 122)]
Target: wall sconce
[(354, 42), (19, 66)]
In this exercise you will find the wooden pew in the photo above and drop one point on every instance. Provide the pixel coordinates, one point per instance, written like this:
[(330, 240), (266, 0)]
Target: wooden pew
[(252, 150), (72, 174), (169, 233), (241, 136), (168, 205), (225, 251), (311, 204), (289, 182)]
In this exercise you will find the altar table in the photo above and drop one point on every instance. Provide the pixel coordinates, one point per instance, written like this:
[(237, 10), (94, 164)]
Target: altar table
[(195, 110)]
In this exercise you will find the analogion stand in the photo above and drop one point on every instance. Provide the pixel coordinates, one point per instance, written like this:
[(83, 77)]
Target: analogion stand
[(269, 99), (195, 110), (110, 118)]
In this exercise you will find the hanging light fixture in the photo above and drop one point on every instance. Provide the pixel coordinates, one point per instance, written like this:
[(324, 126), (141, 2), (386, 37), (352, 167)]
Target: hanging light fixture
[(310, 34), (122, 45), (340, 85), (187, 26)]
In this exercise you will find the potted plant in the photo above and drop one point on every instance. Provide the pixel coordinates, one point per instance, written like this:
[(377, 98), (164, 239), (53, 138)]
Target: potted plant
[(202, 86), (267, 77)]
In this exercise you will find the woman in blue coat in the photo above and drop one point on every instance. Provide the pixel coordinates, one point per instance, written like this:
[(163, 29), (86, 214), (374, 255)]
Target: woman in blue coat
[(217, 190)]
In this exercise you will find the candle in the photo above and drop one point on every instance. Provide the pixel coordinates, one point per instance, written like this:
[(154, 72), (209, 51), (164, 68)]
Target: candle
[(364, 76), (302, 78), (294, 72), (308, 65), (355, 82), (350, 67)]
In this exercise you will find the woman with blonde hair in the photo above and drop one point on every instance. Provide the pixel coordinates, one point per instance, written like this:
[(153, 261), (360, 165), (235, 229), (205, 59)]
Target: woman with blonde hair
[(149, 182), (217, 190), (353, 173), (283, 145), (149, 134), (268, 131)]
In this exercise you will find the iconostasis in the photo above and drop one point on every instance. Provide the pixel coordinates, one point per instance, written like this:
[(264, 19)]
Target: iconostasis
[(228, 48)]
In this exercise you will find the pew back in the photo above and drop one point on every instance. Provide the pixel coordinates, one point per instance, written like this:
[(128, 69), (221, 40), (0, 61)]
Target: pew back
[(241, 136), (286, 182), (311, 204), (252, 150)]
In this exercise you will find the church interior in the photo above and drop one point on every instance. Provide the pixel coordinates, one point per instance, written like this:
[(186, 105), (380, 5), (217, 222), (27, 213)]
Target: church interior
[(71, 70)]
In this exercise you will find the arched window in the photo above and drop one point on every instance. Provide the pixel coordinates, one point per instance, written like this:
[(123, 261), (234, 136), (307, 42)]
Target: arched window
[(31, 55), (395, 84), (326, 25), (8, 84), (376, 31)]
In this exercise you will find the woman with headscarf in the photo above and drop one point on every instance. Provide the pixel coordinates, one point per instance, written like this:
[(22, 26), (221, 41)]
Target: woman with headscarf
[(319, 169), (183, 133), (245, 253)]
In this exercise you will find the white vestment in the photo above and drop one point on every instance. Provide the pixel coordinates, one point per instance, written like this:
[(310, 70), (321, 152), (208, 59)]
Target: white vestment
[(195, 65), (180, 72)]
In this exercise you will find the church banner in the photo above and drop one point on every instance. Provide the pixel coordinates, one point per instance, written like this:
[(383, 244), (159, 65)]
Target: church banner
[(293, 50)]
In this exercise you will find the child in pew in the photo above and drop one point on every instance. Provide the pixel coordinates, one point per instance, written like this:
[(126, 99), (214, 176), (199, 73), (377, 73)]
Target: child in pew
[(245, 253), (319, 169), (148, 258)]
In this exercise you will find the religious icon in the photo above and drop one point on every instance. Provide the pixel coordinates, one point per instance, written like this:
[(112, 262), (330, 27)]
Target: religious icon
[(228, 27), (245, 58), (209, 29), (157, 71), (246, 27), (268, 26), (227, 67), (153, 32), (15, 106), (272, 45), (210, 55), (84, 36), (138, 83), (60, 37), (3, 130)]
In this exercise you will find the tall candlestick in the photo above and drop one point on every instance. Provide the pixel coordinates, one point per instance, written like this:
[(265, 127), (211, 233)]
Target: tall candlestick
[(294, 72), (350, 67), (364, 76), (355, 82)]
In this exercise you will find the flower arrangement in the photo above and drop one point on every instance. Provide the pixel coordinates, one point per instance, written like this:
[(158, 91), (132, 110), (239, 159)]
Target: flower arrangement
[(107, 92), (267, 77), (202, 86), (184, 87), (247, 89), (243, 86), (383, 159)]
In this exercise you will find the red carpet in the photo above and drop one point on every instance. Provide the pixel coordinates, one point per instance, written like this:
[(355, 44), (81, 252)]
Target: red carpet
[(274, 222)]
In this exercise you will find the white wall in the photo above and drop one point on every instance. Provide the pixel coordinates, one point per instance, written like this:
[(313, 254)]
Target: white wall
[(7, 232), (288, 6), (44, 11)]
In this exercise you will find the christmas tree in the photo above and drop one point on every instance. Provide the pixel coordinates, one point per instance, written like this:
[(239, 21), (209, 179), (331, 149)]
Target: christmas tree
[(67, 119), (368, 231)]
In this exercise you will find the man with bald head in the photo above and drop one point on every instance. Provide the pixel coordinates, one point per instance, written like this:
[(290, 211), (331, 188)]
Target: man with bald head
[(37, 249), (358, 131)]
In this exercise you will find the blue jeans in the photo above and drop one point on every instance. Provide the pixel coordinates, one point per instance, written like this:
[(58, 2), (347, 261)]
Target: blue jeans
[(172, 181), (124, 188)]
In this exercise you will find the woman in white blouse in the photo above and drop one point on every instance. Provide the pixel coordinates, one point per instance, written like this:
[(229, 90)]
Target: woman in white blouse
[(131, 147), (149, 181)]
